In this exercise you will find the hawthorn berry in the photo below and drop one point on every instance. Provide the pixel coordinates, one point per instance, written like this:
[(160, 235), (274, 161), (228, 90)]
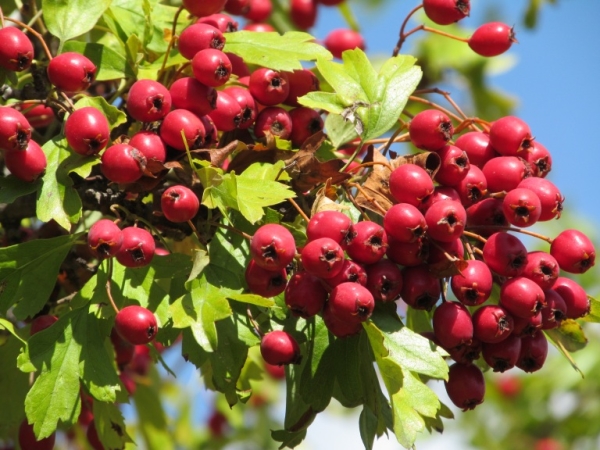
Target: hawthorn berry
[(492, 324), (550, 197), (272, 247), (473, 286), (411, 184), (502, 356), (275, 121), (247, 104), (265, 282), (303, 13), (178, 120), (505, 254), (305, 123), (137, 248), (150, 145), (122, 163), (87, 131), (204, 7), (473, 187), (342, 39), (136, 324), (148, 101), (351, 272), (211, 67), (41, 323), (430, 130), (331, 224), (259, 10), (420, 288), (124, 350), (92, 437), (71, 72), (280, 348), (542, 268), (237, 7), (305, 295), (323, 258), (228, 114), (27, 439), (477, 146), (555, 310), (369, 242), (465, 385), (445, 221), (487, 212), (408, 253), (340, 328), (384, 280), (260, 27), (575, 297), (534, 350), (522, 297), (16, 51), (15, 130), (404, 223), (27, 164), (222, 22), (492, 39), (199, 36), (573, 251), (522, 207), (300, 82), (188, 93), (505, 173), (104, 238), (268, 86), (539, 159), (351, 302), (179, 203), (454, 165), (445, 12), (510, 136), (452, 324)]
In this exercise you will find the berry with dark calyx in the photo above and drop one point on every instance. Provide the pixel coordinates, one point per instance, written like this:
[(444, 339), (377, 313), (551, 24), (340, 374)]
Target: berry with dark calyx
[(555, 310), (41, 323), (16, 52), (211, 67), (369, 243), (522, 297), (222, 22), (477, 146), (15, 130), (505, 173), (104, 238), (473, 286), (122, 163), (188, 93), (331, 224), (352, 272), (212, 135), (384, 280), (487, 212), (420, 288), (466, 354), (454, 165), (351, 302), (305, 123), (510, 136), (305, 295), (342, 39), (237, 7), (136, 324), (268, 86), (573, 251), (301, 82), (550, 197), (71, 72), (430, 130), (492, 39), (27, 439), (259, 10), (178, 120), (272, 247), (577, 301), (452, 324), (148, 101), (505, 254), (473, 187), (137, 248), (411, 184), (445, 12), (323, 258), (197, 37), (408, 254), (228, 115), (265, 282), (340, 328), (280, 348), (540, 159), (502, 356), (445, 221), (87, 131), (28, 164), (204, 7), (492, 324), (124, 350), (150, 145), (465, 385), (542, 268), (405, 223), (527, 326), (179, 203), (439, 193), (439, 251), (534, 350), (303, 13), (522, 207), (275, 121), (247, 104)]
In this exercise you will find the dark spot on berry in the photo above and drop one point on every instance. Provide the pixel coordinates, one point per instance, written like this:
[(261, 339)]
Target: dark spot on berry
[(425, 301), (501, 366), (462, 162), (446, 129), (156, 102), (269, 253), (137, 254), (363, 312), (247, 114), (221, 72), (277, 281), (103, 250), (151, 331), (528, 364), (276, 82), (314, 126), (277, 127), (518, 262), (471, 295), (217, 43), (523, 212), (24, 60)]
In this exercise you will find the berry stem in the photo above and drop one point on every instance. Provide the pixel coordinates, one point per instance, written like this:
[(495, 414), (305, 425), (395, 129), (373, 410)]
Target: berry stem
[(475, 236), (448, 98), (369, 198), (230, 228), (435, 31), (469, 248), (300, 211), (353, 200), (195, 230), (171, 42), (436, 106), (397, 131), (402, 37), (351, 158), (515, 229), (254, 323), (109, 271), (35, 33), (115, 207)]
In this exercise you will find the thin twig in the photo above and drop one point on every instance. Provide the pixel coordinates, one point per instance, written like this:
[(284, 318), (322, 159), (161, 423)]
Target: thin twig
[(300, 211), (108, 284)]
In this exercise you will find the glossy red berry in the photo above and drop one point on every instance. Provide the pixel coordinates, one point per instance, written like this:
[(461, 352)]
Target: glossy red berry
[(473, 187), (223, 22), (573, 251), (527, 326), (188, 93), (351, 302), (505, 173), (237, 7), (305, 123), (104, 238), (28, 164), (268, 86), (323, 258), (410, 184), (27, 439), (384, 280), (301, 82), (492, 324), (199, 36), (477, 146), (408, 253), (211, 67), (352, 272), (405, 223), (259, 27), (555, 310), (369, 243), (452, 324), (575, 297), (550, 197), (87, 131), (454, 165), (228, 115), (534, 350), (122, 163), (539, 159), (445, 12), (71, 72), (502, 356), (204, 7), (150, 145), (180, 120), (465, 385), (148, 101), (303, 13), (16, 51), (342, 39), (473, 286), (445, 221), (280, 348), (244, 99), (430, 130), (492, 39), (136, 324), (305, 295), (542, 268), (137, 248), (420, 289), (275, 121), (487, 212), (272, 247), (265, 282), (511, 136), (340, 328), (522, 297), (522, 207), (259, 10), (15, 130), (439, 193), (179, 203), (331, 224), (41, 323), (505, 254)]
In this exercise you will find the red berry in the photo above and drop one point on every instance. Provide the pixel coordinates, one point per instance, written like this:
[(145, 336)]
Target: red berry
[(305, 123), (446, 221), (15, 130), (136, 324), (408, 254), (439, 193), (369, 243), (277, 372), (542, 268), (511, 136), (137, 248), (465, 385), (41, 323), (148, 101), (527, 326), (488, 212), (430, 130), (179, 204), (555, 310), (275, 121), (121, 163), (404, 223), (477, 146), (87, 131), (237, 7), (303, 13), (27, 164), (259, 28), (204, 7), (150, 145), (340, 328), (265, 282), (104, 238), (199, 36), (577, 301), (522, 207), (71, 72), (305, 295), (492, 324), (352, 272), (522, 297), (492, 39), (502, 356), (473, 286), (272, 247), (248, 107), (351, 302), (211, 67), (452, 324), (223, 22), (505, 173), (473, 187), (124, 350), (188, 93), (539, 158), (505, 254), (259, 10), (411, 184), (445, 12), (331, 224), (573, 251), (268, 86), (384, 280), (92, 437), (16, 51), (27, 439), (420, 289), (280, 348), (323, 258), (301, 82), (342, 39), (180, 120), (534, 350), (454, 165), (228, 115)]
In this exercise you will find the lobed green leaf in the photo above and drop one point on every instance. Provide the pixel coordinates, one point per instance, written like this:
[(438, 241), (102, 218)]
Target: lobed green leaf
[(67, 19)]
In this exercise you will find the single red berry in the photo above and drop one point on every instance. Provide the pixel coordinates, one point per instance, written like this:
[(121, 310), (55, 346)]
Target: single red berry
[(452, 324), (340, 328), (511, 136), (352, 272), (492, 324), (301, 82), (420, 289), (27, 439), (211, 67), (199, 36), (405, 223), (41, 323), (445, 221), (265, 282), (217, 422), (16, 51), (502, 356), (488, 212), (492, 39), (204, 7), (573, 251), (539, 159), (272, 247), (87, 131), (439, 193), (477, 146), (445, 12), (555, 310), (275, 121), (136, 324), (179, 203), (384, 280), (148, 101), (331, 224), (223, 22), (244, 99), (522, 207), (27, 164), (550, 197), (71, 72), (180, 120), (408, 253), (577, 301), (212, 137), (104, 238), (15, 130), (534, 350), (303, 13), (369, 243), (280, 348), (150, 145), (438, 251), (305, 295), (454, 165), (137, 248), (522, 297), (237, 7), (473, 187), (473, 286), (542, 268), (259, 28), (465, 385), (323, 258), (411, 184), (351, 302), (268, 86), (466, 354), (228, 115), (188, 93), (342, 39), (430, 130), (505, 254), (505, 173), (305, 123), (121, 163), (259, 10)]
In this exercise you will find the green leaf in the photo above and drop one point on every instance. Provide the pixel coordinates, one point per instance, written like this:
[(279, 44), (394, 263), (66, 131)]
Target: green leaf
[(251, 299), (288, 439), (593, 316), (367, 423), (67, 19), (557, 341), (114, 115), (339, 131), (14, 385), (28, 273), (110, 64), (12, 188), (110, 425), (275, 51), (152, 419), (570, 335), (10, 327), (298, 414), (371, 101)]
